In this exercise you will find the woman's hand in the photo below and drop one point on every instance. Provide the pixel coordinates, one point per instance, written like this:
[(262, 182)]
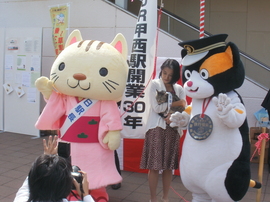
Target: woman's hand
[(167, 119), (52, 146)]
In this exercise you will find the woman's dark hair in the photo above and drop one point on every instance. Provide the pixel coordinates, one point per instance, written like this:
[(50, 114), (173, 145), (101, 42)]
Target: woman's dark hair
[(49, 179), (174, 65)]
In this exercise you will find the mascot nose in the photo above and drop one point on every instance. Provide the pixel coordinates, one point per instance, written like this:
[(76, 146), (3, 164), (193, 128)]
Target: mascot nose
[(79, 76), (189, 83)]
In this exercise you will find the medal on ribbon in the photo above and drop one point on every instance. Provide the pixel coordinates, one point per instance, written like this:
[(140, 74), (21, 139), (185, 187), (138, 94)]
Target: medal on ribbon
[(200, 126)]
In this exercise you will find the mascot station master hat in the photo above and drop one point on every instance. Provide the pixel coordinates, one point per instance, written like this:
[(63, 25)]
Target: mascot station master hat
[(198, 49)]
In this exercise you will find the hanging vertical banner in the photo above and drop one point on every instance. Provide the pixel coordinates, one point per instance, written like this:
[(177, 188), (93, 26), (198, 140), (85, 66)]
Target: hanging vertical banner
[(59, 17), (135, 104)]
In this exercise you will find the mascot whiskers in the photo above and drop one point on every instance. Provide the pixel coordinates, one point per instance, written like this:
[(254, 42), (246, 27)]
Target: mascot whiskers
[(86, 80), (214, 164)]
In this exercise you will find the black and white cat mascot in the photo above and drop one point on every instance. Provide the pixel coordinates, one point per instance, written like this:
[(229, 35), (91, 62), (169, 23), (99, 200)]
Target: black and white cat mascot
[(215, 161)]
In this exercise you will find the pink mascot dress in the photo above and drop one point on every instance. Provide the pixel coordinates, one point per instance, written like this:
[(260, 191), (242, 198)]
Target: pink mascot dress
[(84, 111)]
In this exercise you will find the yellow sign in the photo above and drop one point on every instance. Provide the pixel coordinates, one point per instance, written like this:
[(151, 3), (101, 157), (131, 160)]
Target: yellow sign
[(59, 17)]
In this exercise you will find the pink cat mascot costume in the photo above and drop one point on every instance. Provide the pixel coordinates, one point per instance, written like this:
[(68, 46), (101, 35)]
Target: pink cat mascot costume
[(86, 80)]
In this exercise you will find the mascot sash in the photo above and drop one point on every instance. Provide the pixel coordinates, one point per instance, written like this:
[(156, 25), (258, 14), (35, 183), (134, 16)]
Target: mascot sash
[(75, 113)]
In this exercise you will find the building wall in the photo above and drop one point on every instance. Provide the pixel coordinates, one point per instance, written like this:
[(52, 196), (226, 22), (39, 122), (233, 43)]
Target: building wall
[(245, 21), (94, 18), (99, 20)]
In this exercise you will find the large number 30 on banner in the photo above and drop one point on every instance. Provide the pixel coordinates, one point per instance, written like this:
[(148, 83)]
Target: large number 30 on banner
[(59, 17), (141, 66)]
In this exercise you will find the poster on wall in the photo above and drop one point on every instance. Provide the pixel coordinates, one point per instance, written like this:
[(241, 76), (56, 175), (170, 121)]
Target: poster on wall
[(22, 66), (13, 44), (9, 61), (59, 18), (21, 62), (35, 63)]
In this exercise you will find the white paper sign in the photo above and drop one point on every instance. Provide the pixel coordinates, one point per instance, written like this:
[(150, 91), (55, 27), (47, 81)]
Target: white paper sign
[(8, 88)]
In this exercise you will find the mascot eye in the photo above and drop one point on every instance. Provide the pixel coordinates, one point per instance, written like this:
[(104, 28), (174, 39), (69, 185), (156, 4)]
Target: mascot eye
[(103, 71), (204, 74), (61, 66), (187, 74)]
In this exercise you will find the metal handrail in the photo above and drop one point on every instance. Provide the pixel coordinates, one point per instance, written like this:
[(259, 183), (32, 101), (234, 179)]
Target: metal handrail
[(182, 21), (196, 28)]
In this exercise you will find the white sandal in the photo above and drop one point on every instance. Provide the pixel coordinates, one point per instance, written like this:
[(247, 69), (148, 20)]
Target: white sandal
[(163, 200)]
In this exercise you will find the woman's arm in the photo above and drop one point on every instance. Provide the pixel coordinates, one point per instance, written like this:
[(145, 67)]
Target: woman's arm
[(181, 94), (152, 97), (181, 103)]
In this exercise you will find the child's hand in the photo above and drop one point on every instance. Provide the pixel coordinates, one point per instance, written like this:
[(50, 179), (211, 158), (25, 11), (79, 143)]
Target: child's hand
[(52, 146), (85, 185)]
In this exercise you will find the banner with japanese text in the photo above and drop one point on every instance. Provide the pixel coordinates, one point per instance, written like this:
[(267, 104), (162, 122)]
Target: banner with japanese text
[(59, 18), (135, 102), (134, 106)]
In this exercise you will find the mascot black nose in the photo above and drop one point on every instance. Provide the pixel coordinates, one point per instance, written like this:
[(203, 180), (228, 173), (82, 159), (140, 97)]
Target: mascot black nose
[(79, 76)]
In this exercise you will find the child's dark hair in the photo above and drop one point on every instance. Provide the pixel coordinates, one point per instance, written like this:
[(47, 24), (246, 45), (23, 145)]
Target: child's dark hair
[(174, 65), (49, 179)]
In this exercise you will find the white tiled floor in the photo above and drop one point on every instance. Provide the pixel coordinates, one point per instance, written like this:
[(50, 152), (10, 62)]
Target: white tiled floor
[(17, 152)]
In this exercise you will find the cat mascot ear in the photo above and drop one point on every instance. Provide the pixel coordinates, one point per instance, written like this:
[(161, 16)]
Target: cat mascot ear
[(119, 43), (73, 37), (237, 78)]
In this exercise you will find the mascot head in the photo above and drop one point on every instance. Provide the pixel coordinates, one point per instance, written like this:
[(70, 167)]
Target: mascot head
[(91, 69), (210, 66)]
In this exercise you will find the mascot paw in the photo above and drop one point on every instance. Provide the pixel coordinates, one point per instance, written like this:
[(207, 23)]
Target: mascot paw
[(45, 86), (179, 119), (223, 104), (113, 139)]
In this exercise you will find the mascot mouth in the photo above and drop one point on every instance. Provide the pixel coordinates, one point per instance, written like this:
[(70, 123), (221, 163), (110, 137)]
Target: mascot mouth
[(193, 91), (78, 85)]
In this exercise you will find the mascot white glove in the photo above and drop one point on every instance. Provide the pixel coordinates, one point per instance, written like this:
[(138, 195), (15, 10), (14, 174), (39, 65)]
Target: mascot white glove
[(179, 120), (230, 110), (113, 139), (45, 86), (223, 104)]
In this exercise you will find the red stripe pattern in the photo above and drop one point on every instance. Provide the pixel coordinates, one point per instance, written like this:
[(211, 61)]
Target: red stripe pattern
[(202, 9)]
